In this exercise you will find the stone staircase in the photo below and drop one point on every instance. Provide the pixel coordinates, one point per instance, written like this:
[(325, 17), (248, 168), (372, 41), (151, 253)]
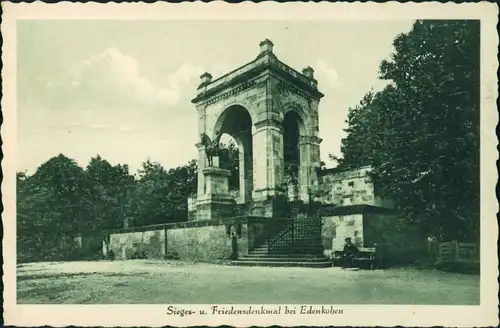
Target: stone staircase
[(302, 250)]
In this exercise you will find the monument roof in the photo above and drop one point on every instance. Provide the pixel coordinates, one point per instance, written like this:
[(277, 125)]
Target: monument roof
[(265, 60)]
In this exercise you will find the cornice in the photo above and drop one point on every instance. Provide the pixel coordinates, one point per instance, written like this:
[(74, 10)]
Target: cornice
[(274, 66)]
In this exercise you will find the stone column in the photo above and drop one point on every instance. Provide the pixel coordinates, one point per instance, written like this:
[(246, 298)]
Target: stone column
[(267, 160), (309, 160), (245, 166), (191, 208), (248, 174), (242, 171), (259, 162), (315, 159), (276, 165), (201, 166), (304, 168)]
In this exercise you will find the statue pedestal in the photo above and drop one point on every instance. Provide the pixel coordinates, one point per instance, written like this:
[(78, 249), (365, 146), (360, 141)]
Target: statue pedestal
[(216, 181), (216, 202)]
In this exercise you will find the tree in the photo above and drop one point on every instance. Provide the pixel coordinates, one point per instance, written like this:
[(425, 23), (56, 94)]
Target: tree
[(33, 220), (109, 189), (50, 209), (182, 182), (161, 195), (354, 146), (421, 133)]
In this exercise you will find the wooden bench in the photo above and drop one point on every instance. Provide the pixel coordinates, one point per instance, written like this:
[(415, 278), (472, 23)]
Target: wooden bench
[(365, 255)]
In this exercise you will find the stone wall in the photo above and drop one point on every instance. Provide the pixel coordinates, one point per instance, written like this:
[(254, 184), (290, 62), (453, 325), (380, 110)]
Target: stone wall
[(208, 240), (206, 244), (396, 239), (344, 188), (124, 245), (336, 228), (255, 233)]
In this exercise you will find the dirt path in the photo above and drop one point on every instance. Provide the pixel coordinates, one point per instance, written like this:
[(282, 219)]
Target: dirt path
[(161, 282)]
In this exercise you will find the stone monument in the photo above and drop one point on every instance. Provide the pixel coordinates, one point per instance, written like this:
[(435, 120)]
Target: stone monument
[(271, 111)]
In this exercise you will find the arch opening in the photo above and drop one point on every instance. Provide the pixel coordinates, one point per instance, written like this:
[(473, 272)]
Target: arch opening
[(292, 130), (291, 145), (229, 160), (235, 125)]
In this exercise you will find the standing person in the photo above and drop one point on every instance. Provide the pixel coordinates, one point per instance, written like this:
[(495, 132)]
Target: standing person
[(111, 255), (432, 248), (234, 247), (350, 253)]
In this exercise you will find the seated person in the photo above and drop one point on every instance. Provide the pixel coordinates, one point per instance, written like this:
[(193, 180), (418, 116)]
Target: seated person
[(350, 252)]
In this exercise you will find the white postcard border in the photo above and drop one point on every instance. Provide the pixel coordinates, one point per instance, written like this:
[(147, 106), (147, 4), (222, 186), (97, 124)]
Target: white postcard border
[(155, 315)]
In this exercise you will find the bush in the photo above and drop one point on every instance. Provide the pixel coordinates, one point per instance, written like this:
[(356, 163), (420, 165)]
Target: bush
[(87, 253), (467, 267), (139, 255), (171, 256)]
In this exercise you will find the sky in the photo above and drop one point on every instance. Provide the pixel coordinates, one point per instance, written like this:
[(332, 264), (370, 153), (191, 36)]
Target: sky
[(123, 89)]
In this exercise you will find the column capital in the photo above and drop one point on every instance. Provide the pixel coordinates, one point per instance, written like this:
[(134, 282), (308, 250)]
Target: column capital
[(268, 122), (316, 140), (268, 127), (309, 140), (304, 140)]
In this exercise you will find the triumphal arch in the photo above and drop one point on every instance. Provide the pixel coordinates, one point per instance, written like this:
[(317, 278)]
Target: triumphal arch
[(271, 111)]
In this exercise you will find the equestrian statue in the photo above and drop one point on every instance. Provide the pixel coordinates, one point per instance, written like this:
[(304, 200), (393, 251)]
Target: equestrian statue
[(212, 147)]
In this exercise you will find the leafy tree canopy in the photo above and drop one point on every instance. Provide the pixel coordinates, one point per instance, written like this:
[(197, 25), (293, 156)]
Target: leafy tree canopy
[(62, 199), (421, 133)]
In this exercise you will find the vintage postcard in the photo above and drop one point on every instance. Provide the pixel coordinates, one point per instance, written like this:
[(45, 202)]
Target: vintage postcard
[(192, 164)]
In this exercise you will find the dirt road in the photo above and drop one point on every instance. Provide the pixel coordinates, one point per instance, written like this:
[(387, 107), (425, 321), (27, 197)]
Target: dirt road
[(161, 282)]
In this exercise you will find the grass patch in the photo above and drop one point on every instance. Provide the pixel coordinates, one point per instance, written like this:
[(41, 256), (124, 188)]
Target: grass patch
[(49, 292)]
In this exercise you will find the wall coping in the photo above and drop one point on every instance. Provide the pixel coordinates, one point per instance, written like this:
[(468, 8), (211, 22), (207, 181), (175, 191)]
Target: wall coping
[(194, 224), (335, 170), (326, 210), (331, 210)]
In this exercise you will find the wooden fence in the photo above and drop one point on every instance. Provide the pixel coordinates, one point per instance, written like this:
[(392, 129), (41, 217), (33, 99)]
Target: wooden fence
[(454, 251)]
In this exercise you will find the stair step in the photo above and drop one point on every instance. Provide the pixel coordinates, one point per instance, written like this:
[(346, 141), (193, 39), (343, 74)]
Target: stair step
[(291, 255), (312, 244), (301, 245), (282, 259), (289, 252), (306, 264)]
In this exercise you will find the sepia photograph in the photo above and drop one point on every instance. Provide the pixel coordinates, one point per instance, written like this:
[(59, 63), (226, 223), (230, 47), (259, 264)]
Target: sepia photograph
[(264, 167)]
